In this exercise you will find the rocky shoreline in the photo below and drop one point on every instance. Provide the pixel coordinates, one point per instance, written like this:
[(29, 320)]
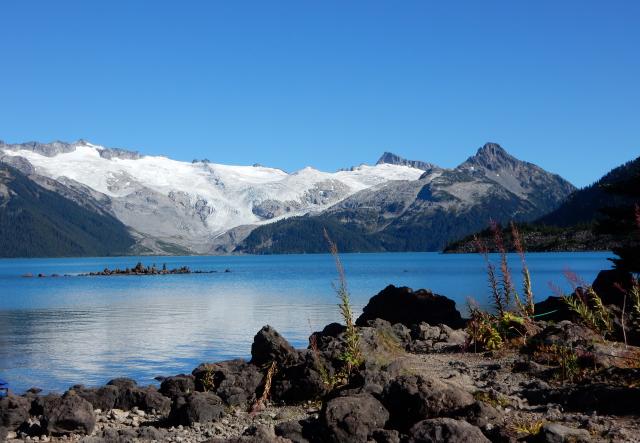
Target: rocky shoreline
[(419, 381)]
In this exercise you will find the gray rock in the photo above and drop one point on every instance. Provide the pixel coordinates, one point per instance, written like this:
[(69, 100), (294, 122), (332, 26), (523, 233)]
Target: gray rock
[(197, 407), (177, 385), (448, 430), (235, 381), (557, 433), (353, 418), (411, 398), (14, 411), (268, 346), (69, 414), (301, 381)]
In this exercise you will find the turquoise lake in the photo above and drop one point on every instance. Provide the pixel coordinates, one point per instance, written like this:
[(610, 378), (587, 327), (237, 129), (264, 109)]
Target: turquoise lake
[(56, 332)]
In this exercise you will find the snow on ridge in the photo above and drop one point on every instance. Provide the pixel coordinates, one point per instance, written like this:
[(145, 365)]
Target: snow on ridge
[(231, 192)]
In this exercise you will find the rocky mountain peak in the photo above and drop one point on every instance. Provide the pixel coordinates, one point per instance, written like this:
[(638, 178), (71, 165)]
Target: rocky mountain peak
[(394, 159), (491, 156)]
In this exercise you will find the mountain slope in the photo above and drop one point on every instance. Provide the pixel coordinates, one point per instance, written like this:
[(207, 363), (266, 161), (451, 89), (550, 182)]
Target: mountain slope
[(37, 222), (584, 205), (427, 213), (183, 206), (393, 159), (571, 226)]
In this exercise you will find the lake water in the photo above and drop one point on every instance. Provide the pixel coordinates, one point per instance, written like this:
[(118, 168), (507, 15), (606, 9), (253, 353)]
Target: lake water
[(56, 332)]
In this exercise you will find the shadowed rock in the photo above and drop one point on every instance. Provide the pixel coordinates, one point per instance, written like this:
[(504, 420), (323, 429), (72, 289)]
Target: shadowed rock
[(403, 305), (353, 418)]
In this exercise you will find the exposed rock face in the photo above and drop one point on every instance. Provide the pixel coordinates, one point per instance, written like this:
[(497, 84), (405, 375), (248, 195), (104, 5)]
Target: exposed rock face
[(438, 430), (300, 381), (69, 414), (197, 407), (425, 214), (354, 418), (103, 398), (268, 346), (611, 286), (235, 381), (177, 385), (13, 411), (566, 333), (403, 305), (557, 433), (393, 159), (411, 398)]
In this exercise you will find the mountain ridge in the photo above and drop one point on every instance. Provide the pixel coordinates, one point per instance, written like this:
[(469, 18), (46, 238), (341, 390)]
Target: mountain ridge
[(204, 207)]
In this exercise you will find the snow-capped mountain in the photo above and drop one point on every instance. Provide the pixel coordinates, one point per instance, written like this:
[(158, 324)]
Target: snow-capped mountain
[(172, 206), (424, 214)]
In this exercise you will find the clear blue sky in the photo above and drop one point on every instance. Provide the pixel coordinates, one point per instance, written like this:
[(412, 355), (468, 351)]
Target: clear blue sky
[(328, 84)]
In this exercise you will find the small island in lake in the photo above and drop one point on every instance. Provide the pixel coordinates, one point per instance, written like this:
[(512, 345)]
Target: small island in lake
[(140, 269)]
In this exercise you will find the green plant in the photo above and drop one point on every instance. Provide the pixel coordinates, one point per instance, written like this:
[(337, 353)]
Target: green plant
[(482, 330), (588, 306), (529, 428), (527, 308), (208, 380), (351, 356)]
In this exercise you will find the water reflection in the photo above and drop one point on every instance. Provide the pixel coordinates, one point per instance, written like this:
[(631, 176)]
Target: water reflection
[(55, 332)]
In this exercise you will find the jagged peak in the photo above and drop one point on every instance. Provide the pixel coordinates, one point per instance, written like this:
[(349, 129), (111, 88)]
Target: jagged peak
[(394, 159), (491, 156)]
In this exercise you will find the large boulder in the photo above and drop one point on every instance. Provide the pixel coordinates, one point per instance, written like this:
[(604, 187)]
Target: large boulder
[(177, 385), (300, 431), (148, 399), (103, 398), (554, 309), (301, 381), (611, 286), (353, 418), (565, 334), (197, 407), (235, 381), (448, 430), (411, 398), (69, 414), (269, 346), (254, 434), (403, 305), (558, 433), (14, 411)]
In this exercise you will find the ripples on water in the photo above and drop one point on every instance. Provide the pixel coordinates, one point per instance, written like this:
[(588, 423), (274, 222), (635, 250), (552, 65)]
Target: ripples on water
[(55, 332)]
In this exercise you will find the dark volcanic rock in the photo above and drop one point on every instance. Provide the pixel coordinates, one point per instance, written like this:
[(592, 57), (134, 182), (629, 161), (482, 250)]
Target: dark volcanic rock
[(268, 346), (565, 333), (122, 383), (557, 433), (611, 286), (446, 430), (103, 398), (301, 381), (403, 305), (554, 309), (197, 407), (411, 398), (177, 385), (13, 411), (353, 418), (69, 414), (599, 397), (235, 381), (148, 399), (301, 431), (254, 434)]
